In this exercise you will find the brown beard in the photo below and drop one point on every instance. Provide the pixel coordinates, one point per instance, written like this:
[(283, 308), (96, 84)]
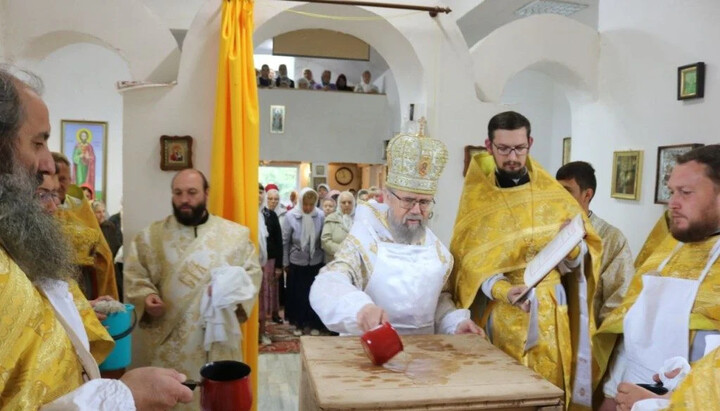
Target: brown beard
[(31, 237), (196, 217), (697, 230)]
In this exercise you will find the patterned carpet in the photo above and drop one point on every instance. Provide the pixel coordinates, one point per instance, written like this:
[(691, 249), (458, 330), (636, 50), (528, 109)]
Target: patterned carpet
[(283, 340)]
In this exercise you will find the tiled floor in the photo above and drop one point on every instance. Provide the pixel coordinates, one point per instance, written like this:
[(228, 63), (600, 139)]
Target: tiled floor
[(278, 382)]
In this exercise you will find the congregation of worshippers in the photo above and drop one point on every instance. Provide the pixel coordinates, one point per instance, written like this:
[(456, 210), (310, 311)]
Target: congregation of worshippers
[(496, 249), (268, 78)]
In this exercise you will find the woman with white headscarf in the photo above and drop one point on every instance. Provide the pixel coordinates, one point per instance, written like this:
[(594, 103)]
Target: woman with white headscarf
[(302, 259), (337, 225)]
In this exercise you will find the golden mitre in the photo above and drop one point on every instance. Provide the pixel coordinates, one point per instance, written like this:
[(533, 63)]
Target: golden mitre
[(415, 162)]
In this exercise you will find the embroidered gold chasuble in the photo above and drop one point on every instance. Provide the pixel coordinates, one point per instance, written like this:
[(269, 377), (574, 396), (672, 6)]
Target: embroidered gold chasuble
[(687, 263), (497, 231), (700, 390), (77, 212), (174, 262), (38, 363)]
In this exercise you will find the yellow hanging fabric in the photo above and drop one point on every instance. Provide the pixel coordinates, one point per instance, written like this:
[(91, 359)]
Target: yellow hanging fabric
[(235, 150)]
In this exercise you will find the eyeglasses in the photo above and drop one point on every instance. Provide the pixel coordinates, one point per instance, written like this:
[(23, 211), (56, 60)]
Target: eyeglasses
[(506, 150), (408, 203)]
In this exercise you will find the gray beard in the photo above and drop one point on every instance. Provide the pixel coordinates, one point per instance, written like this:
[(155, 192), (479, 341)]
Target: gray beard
[(32, 237), (403, 234)]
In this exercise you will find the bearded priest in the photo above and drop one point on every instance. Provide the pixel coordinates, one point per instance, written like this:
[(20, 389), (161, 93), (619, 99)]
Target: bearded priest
[(391, 267)]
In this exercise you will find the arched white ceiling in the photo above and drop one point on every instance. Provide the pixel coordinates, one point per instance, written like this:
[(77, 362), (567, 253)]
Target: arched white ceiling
[(35, 28), (560, 47)]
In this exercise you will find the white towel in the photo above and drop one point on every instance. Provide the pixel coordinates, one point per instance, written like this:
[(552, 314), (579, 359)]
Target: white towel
[(652, 404), (672, 364), (230, 286)]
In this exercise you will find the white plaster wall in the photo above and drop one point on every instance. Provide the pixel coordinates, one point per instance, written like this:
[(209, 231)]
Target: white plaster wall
[(561, 127), (536, 96), (35, 28), (324, 126), (175, 14), (79, 84), (562, 48), (637, 109)]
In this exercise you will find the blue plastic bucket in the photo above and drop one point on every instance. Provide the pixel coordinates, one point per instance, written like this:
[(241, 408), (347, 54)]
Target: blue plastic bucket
[(120, 326)]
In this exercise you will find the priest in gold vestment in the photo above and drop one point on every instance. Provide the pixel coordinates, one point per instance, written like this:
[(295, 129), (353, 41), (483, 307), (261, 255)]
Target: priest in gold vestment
[(50, 338), (168, 270), (671, 310), (81, 227), (616, 264), (509, 210)]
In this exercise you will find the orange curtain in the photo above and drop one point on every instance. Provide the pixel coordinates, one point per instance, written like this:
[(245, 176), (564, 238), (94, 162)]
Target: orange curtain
[(235, 150)]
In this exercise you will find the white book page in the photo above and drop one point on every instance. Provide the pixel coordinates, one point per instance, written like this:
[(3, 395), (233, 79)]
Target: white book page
[(553, 253)]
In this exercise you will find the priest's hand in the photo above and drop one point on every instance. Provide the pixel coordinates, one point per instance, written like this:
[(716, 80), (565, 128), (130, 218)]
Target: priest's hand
[(469, 327), (514, 293), (628, 394), (156, 388), (370, 316), (154, 305)]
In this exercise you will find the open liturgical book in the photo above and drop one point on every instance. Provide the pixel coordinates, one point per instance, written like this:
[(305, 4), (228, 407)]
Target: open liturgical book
[(552, 254)]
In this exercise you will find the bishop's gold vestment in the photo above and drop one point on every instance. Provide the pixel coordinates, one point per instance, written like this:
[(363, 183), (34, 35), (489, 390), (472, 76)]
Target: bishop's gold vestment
[(497, 231), (37, 360), (174, 262)]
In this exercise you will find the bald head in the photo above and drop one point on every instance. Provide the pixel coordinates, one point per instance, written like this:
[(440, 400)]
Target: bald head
[(193, 175)]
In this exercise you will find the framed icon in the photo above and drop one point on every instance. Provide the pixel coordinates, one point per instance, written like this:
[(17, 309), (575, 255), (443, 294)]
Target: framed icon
[(627, 167), (691, 81), (175, 152), (319, 169), (277, 119), (567, 147), (84, 143)]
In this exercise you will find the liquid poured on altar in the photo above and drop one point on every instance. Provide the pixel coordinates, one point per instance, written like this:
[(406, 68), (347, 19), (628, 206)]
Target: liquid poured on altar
[(420, 369)]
